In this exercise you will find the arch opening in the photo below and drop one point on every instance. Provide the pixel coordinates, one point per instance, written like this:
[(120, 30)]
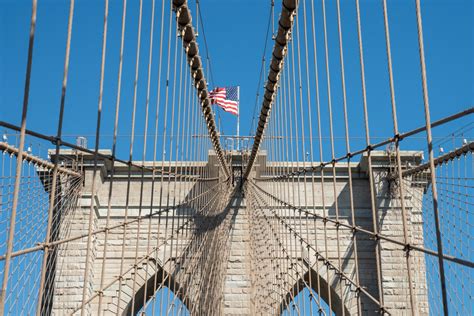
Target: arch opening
[(165, 302), (161, 293), (306, 303), (303, 298)]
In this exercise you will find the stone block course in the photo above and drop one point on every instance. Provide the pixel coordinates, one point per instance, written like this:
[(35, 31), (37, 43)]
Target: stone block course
[(243, 243)]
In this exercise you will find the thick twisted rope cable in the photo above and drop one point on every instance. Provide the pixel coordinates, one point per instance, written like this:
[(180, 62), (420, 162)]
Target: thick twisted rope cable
[(440, 160), (4, 147), (370, 147), (279, 52), (191, 49)]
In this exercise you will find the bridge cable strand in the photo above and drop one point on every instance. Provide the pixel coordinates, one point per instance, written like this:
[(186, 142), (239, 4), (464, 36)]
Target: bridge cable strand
[(18, 169), (262, 69), (54, 185), (85, 285), (114, 149), (279, 51), (184, 20), (429, 140)]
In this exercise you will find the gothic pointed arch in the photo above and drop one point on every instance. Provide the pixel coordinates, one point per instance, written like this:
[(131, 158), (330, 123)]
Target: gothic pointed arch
[(155, 283), (311, 278)]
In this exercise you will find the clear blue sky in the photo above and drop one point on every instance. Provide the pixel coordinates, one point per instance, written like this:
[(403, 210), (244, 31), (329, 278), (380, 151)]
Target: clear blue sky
[(235, 33)]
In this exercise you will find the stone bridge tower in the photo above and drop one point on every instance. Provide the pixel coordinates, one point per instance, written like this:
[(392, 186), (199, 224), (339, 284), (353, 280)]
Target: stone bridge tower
[(180, 229)]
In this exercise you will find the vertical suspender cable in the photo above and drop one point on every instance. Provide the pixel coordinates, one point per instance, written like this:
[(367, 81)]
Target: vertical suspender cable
[(56, 162), (349, 171), (85, 287), (194, 60), (279, 52), (429, 140), (369, 157), (142, 180), (16, 189), (130, 156), (155, 146), (114, 149), (318, 119), (406, 239)]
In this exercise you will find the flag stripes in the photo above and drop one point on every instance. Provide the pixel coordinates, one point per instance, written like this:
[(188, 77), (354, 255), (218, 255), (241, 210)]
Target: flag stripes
[(226, 98)]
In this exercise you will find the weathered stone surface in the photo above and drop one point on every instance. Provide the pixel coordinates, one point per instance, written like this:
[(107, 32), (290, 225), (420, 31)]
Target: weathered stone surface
[(147, 246)]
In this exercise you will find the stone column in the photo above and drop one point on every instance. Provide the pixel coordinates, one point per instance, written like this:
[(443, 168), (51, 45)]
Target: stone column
[(237, 282), (71, 256), (396, 290)]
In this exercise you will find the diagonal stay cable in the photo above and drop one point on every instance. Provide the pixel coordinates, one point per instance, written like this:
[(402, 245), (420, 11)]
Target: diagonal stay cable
[(318, 254), (375, 235)]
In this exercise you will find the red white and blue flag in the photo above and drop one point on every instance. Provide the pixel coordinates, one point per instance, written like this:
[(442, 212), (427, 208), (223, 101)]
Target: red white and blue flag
[(227, 98)]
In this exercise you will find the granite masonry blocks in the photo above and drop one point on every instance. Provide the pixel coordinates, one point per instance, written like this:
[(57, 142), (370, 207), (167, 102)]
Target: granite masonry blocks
[(241, 274)]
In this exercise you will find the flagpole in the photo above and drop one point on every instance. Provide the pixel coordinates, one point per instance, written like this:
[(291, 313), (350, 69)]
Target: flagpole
[(238, 118)]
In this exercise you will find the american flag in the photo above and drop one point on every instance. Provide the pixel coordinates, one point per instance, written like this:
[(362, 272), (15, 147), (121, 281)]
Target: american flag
[(227, 98)]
